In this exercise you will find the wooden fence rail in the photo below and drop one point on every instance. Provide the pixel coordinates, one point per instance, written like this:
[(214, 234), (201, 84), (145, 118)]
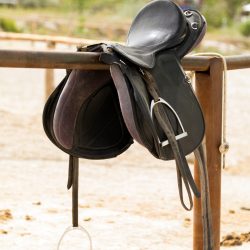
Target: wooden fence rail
[(50, 42), (90, 60), (209, 87)]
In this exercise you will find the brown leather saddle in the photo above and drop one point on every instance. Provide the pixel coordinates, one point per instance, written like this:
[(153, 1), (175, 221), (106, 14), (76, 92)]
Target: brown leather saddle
[(146, 96)]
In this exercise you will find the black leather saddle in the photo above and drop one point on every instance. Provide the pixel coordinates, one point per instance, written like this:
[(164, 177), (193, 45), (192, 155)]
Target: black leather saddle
[(146, 96)]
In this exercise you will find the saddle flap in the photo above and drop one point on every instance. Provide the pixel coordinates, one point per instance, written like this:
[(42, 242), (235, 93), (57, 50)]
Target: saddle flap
[(83, 116)]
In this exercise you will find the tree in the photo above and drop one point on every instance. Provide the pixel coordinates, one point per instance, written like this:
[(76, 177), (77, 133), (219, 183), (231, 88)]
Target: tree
[(233, 7), (222, 12), (215, 12), (80, 4)]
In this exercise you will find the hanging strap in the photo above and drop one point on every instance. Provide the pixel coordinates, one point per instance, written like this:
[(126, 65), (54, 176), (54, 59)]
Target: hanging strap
[(205, 199), (73, 178), (183, 172), (73, 182)]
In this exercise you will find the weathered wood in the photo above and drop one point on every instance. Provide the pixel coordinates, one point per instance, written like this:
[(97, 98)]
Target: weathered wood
[(49, 75), (90, 61), (209, 89), (238, 62), (195, 63), (69, 60), (50, 60)]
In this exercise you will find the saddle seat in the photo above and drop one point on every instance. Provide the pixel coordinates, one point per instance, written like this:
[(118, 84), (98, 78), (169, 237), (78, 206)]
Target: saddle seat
[(152, 32), (161, 25)]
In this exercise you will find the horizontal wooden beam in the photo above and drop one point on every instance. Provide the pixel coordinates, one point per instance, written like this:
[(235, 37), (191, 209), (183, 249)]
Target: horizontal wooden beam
[(196, 63), (74, 60), (90, 61), (50, 60), (238, 62)]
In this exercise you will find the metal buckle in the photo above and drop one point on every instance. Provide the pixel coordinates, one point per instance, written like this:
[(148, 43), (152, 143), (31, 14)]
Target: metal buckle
[(194, 25), (179, 136), (188, 13)]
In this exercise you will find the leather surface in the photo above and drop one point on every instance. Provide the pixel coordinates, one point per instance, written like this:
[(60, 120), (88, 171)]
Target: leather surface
[(83, 118), (161, 25), (173, 88), (194, 36)]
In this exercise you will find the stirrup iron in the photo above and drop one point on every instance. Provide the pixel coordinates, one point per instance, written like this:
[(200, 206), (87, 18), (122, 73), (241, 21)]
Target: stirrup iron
[(179, 136), (73, 181), (79, 228)]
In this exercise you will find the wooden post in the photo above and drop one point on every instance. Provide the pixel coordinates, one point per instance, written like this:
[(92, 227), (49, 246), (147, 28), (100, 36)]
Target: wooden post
[(209, 89), (49, 74)]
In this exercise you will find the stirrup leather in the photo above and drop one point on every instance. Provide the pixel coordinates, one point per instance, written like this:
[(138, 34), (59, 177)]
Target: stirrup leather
[(73, 182)]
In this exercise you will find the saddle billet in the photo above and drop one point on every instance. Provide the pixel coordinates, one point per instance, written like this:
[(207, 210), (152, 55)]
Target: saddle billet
[(146, 96)]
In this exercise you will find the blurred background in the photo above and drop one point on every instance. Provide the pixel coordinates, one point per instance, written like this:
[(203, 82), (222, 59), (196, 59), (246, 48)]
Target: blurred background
[(228, 20), (130, 202)]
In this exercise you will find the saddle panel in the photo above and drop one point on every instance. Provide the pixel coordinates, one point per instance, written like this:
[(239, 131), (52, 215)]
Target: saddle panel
[(49, 109), (83, 117)]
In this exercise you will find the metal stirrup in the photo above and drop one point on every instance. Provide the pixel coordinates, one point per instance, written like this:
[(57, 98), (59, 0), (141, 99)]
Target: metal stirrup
[(73, 181), (179, 136), (79, 228)]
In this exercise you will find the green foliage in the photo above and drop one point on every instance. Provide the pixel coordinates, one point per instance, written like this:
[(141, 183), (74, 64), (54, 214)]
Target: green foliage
[(245, 28), (221, 13), (38, 3), (215, 13), (8, 25), (80, 27), (93, 5), (233, 7), (130, 8), (79, 5)]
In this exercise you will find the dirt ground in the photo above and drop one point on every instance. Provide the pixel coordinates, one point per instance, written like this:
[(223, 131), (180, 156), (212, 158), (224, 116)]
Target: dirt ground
[(130, 202)]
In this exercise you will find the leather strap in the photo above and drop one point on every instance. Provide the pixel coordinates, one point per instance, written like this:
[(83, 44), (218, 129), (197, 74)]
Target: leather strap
[(73, 181), (208, 242), (183, 171)]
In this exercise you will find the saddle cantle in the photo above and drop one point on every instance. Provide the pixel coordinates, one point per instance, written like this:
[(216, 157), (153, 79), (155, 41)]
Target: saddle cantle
[(173, 30), (146, 96)]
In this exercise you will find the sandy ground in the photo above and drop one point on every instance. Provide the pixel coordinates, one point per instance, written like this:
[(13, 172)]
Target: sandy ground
[(130, 202)]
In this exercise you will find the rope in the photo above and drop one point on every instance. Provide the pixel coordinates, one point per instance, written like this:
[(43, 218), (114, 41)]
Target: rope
[(224, 147)]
